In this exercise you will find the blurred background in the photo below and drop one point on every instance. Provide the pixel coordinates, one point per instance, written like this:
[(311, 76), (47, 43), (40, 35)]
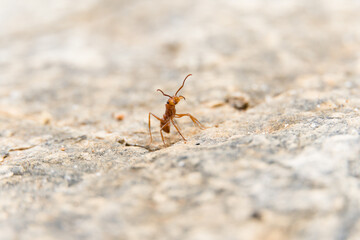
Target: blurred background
[(89, 58), (78, 79)]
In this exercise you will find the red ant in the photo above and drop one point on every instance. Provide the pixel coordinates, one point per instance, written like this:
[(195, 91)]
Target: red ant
[(170, 114)]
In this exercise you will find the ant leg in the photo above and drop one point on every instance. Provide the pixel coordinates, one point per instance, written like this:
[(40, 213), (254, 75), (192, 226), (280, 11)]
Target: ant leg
[(195, 121), (162, 136), (150, 125), (172, 121), (177, 124)]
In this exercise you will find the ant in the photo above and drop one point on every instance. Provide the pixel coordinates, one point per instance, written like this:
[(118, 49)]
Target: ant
[(170, 114)]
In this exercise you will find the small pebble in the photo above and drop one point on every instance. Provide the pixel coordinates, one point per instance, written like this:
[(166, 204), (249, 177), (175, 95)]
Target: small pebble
[(238, 101), (119, 117)]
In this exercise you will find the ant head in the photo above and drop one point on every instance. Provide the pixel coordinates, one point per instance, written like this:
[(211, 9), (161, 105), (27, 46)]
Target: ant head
[(173, 100)]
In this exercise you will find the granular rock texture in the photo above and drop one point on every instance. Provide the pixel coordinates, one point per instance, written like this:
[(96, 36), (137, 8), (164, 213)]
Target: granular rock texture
[(277, 83)]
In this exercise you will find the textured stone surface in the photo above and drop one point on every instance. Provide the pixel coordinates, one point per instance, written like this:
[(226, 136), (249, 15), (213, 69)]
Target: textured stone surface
[(287, 167)]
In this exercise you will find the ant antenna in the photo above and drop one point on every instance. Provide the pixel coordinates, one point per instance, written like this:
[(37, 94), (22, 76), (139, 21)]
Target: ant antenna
[(163, 93), (183, 84), (182, 97)]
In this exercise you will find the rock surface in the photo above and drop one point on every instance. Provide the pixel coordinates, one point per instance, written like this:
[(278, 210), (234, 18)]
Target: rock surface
[(78, 78)]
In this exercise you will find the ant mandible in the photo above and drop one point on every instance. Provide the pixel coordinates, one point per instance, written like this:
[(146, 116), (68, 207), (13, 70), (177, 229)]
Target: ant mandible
[(170, 114)]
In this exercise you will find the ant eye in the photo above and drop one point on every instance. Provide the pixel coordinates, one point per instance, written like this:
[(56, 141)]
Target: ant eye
[(167, 102)]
